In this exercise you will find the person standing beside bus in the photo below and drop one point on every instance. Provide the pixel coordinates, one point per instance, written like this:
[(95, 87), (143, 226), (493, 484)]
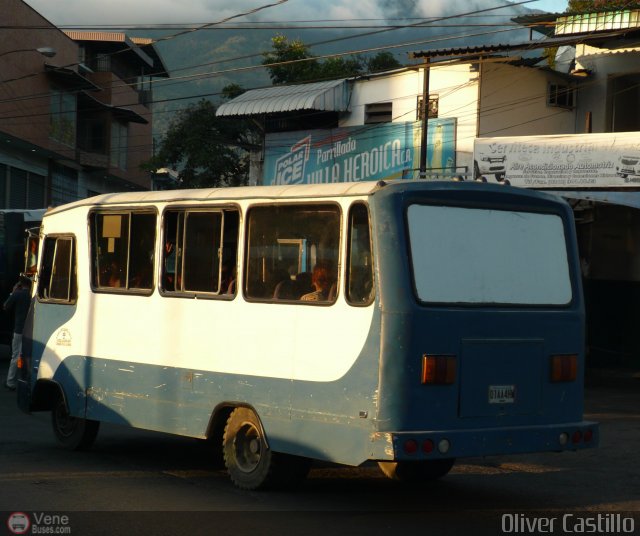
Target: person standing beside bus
[(18, 301)]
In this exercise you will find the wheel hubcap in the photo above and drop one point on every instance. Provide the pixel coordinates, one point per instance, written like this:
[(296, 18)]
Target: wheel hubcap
[(248, 447), (64, 422)]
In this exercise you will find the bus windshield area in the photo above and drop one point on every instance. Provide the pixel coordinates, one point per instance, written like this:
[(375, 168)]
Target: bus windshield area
[(484, 256)]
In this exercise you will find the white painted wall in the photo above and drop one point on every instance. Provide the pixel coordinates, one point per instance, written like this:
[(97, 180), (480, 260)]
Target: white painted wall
[(513, 102), (596, 91), (455, 85)]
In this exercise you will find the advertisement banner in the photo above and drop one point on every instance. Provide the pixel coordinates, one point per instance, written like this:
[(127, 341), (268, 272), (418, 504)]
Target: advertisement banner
[(353, 154), (561, 161)]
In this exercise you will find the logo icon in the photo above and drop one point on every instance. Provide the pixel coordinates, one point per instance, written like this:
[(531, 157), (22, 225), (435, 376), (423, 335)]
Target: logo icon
[(63, 337), (290, 167), (18, 523)]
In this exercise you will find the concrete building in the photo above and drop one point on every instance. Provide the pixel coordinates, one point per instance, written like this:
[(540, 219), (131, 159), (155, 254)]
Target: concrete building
[(75, 112), (473, 92)]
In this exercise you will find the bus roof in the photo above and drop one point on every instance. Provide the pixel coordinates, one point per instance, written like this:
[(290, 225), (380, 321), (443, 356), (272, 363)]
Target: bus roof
[(300, 191), (229, 193)]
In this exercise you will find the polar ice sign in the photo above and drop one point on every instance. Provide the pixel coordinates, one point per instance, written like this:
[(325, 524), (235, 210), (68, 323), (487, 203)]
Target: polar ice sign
[(349, 154), (290, 167)]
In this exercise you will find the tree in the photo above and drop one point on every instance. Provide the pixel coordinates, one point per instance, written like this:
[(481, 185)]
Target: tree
[(207, 150), (285, 57), (585, 6), (291, 62), (382, 61)]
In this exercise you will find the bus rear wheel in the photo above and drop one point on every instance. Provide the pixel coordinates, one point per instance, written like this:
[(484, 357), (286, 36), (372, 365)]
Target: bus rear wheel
[(418, 471), (72, 433), (251, 464)]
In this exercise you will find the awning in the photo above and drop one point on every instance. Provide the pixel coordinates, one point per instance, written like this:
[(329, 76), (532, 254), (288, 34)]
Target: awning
[(330, 96), (87, 102), (70, 78), (484, 50), (625, 199)]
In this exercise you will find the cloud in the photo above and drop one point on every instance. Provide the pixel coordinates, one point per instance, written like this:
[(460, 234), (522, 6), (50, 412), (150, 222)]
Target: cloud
[(127, 12)]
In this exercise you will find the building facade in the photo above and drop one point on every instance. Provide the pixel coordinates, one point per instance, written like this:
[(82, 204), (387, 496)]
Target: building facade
[(75, 111)]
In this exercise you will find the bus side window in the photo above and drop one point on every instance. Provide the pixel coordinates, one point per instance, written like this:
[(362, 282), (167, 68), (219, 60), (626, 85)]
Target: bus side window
[(360, 290), (31, 253), (292, 253), (200, 251), (123, 246), (57, 281)]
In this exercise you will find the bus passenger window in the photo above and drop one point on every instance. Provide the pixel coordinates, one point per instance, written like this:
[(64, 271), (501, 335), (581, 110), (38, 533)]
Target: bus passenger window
[(200, 251), (123, 249), (293, 253), (142, 249), (359, 262), (57, 281)]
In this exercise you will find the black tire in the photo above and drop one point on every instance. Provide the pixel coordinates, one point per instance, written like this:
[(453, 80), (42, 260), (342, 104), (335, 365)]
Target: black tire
[(250, 462), (73, 433), (476, 170), (419, 471)]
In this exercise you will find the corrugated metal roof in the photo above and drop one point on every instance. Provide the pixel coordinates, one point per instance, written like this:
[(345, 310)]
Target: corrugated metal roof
[(111, 37), (330, 96), (143, 47), (483, 50)]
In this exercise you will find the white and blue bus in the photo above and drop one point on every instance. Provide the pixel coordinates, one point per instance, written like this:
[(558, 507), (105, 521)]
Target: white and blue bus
[(406, 323)]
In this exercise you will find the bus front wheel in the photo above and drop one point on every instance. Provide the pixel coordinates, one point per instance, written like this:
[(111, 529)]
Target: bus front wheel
[(417, 471), (250, 462), (73, 433)]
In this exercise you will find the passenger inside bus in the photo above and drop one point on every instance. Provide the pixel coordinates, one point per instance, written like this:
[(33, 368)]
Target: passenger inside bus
[(113, 276), (293, 287), (228, 284), (322, 280)]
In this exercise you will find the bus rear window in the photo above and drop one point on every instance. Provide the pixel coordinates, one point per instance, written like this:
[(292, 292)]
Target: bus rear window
[(483, 256)]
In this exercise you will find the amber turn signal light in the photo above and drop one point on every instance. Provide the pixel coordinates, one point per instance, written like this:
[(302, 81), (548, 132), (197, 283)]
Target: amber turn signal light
[(438, 369), (564, 368)]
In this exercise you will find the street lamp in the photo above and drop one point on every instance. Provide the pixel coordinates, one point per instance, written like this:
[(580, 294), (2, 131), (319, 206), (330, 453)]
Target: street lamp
[(48, 52)]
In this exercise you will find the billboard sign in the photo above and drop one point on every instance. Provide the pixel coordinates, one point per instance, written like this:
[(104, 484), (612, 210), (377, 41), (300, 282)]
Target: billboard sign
[(352, 154), (563, 161)]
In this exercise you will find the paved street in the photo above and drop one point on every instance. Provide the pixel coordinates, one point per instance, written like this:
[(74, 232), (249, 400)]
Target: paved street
[(167, 484)]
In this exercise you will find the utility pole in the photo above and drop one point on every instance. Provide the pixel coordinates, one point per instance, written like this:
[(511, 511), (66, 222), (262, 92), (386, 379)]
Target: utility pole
[(425, 119)]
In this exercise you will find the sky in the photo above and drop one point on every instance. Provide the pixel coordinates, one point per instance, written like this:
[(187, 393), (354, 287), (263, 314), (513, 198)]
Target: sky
[(94, 12)]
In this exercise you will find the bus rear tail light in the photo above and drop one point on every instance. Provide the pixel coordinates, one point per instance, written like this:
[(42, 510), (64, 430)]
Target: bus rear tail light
[(564, 368), (20, 362), (438, 369), (410, 446)]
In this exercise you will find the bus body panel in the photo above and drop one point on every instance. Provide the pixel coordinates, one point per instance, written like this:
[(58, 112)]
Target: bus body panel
[(333, 382)]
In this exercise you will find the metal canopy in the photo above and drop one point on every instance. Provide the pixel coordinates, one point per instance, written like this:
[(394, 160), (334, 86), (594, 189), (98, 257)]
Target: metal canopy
[(330, 96), (89, 103), (70, 78), (626, 199), (483, 50)]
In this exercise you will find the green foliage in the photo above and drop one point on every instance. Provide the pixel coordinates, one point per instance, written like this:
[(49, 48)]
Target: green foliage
[(206, 150), (293, 59), (586, 6), (291, 62), (231, 91), (382, 61)]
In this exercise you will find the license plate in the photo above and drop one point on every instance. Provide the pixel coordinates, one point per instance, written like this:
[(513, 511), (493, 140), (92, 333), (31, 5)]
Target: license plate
[(502, 394)]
